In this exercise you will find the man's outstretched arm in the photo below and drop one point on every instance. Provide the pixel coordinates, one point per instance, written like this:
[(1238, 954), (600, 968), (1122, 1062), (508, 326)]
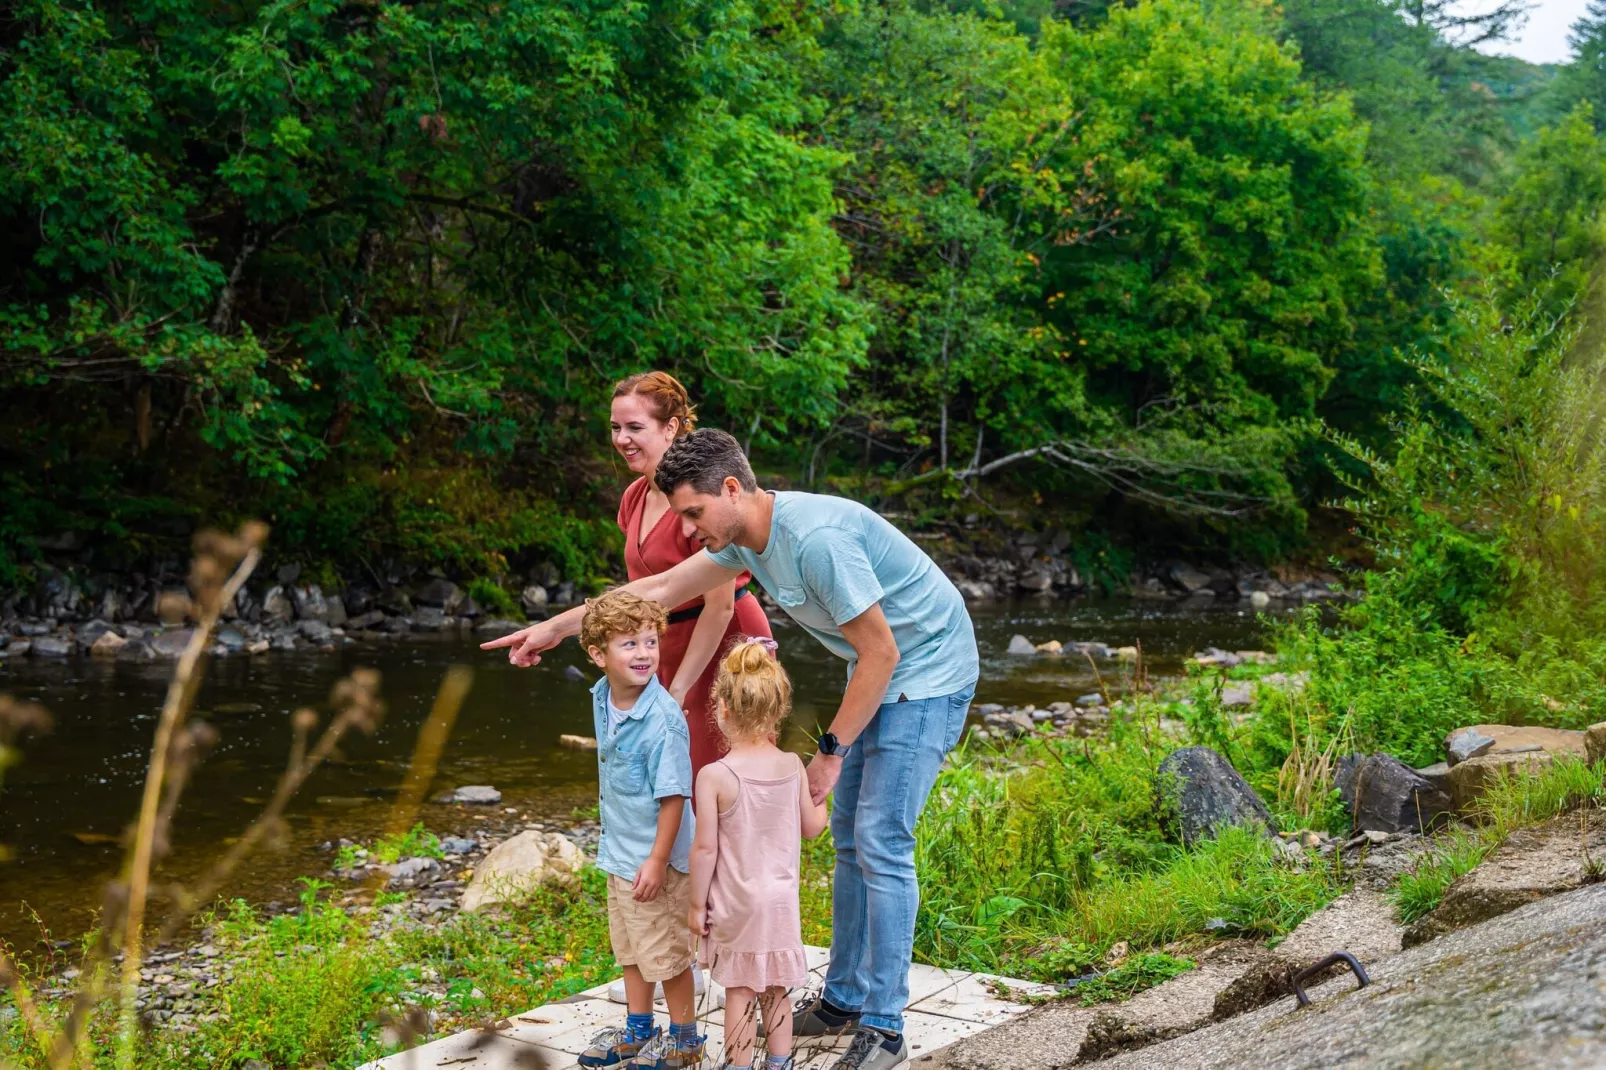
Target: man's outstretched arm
[(694, 576)]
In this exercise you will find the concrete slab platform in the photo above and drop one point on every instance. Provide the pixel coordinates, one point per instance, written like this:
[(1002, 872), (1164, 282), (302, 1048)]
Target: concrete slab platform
[(945, 1006)]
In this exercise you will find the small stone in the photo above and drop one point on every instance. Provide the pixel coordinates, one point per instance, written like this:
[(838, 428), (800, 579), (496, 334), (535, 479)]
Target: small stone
[(1089, 700), (316, 631), (477, 795), (573, 674), (457, 845), (577, 742), (1126, 653), (1465, 743), (1053, 646), (261, 646), (136, 650), (1020, 645), (1259, 600)]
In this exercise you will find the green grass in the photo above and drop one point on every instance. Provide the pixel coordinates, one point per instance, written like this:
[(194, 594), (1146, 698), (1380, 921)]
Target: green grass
[(1131, 977), (416, 842)]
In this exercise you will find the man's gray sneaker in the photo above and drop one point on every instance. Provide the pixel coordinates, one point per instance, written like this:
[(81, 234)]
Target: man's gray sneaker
[(812, 1022), (869, 1050)]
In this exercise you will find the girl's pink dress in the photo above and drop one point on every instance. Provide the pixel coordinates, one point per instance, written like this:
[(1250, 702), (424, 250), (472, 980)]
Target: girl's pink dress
[(755, 935)]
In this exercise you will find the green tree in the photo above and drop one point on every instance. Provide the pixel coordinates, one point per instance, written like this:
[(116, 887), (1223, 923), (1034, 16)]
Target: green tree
[(1551, 215), (317, 237)]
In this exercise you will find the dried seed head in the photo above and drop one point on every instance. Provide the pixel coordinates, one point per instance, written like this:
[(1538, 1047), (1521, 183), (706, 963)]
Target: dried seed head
[(356, 700), (173, 607), (17, 717)]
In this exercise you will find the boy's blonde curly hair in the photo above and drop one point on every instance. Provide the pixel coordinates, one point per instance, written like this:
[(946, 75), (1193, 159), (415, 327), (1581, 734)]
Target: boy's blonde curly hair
[(753, 690), (618, 612)]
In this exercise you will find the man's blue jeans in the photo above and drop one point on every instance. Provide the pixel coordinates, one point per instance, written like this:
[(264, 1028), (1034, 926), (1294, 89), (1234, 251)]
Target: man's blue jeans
[(885, 779)]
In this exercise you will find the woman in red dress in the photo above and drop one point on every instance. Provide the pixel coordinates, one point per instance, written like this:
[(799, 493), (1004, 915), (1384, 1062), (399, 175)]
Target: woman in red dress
[(649, 412)]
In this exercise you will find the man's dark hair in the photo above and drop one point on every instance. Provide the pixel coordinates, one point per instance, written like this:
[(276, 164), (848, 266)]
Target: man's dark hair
[(704, 459)]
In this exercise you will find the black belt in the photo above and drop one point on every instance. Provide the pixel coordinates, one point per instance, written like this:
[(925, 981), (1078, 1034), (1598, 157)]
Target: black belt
[(693, 612)]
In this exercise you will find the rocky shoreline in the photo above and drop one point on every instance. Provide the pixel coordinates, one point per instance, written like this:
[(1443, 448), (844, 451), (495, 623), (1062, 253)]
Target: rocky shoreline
[(68, 613)]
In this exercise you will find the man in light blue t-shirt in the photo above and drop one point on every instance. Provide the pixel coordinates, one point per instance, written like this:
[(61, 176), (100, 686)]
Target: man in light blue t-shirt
[(862, 588)]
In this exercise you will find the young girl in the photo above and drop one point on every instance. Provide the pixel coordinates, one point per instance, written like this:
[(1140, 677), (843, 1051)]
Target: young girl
[(753, 811)]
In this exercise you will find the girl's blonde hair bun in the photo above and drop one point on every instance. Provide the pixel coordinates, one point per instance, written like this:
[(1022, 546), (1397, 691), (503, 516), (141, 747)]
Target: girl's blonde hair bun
[(754, 690)]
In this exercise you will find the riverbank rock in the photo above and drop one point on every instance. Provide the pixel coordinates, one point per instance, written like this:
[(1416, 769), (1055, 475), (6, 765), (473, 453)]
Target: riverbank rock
[(477, 795), (533, 600), (411, 871), (519, 865), (441, 593), (51, 646), (577, 742), (1021, 646), (310, 603), (1533, 863), (1517, 749), (107, 645), (1199, 792), (1595, 743), (496, 627), (1386, 795), (171, 644)]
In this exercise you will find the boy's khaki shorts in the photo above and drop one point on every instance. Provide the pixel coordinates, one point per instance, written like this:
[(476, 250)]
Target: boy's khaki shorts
[(653, 937)]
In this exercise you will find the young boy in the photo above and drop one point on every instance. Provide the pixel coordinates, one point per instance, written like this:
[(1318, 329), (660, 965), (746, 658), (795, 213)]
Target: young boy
[(644, 765)]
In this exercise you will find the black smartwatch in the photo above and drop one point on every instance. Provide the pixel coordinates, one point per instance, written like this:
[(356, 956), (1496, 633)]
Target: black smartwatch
[(830, 747)]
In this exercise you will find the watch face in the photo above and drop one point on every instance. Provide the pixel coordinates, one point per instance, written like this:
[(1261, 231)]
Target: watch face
[(828, 744)]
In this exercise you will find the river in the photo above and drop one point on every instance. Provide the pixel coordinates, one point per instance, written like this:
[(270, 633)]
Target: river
[(65, 806)]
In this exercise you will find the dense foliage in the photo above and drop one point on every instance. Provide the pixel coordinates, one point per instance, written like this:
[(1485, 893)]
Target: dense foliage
[(370, 270)]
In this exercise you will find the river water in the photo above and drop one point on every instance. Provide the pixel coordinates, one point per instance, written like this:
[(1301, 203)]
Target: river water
[(64, 808)]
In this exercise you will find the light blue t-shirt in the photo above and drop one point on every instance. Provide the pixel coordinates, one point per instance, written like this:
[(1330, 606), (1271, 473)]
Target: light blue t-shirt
[(830, 559), (647, 758)]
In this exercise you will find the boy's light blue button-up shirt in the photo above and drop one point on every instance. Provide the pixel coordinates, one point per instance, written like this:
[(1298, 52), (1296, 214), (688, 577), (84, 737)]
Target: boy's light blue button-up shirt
[(647, 759), (829, 559)]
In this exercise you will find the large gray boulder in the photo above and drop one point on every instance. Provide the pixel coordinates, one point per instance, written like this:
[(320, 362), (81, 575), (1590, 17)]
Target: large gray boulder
[(310, 603), (1199, 792), (1386, 795)]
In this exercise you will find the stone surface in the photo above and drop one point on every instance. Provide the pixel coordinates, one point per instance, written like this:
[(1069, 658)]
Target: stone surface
[(1533, 863), (1595, 743), (520, 864), (86, 634), (573, 674), (1199, 791), (1237, 695), (477, 795), (336, 616), (1526, 990), (1019, 644), (410, 871), (1180, 1005), (1053, 646), (1466, 743), (136, 650), (1386, 795), (496, 627), (316, 631), (1361, 922), (577, 742)]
